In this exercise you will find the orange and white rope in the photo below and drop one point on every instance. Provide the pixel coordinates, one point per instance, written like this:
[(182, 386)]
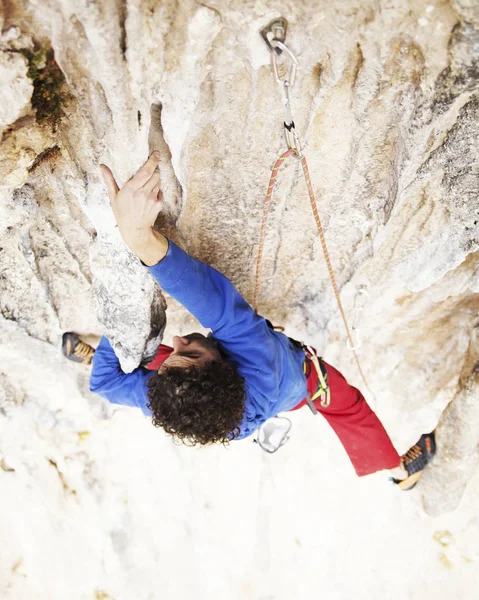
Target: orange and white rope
[(262, 237), (267, 204)]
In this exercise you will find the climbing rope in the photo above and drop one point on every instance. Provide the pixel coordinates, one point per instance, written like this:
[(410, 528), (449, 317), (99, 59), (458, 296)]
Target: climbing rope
[(262, 237), (267, 204), (274, 36)]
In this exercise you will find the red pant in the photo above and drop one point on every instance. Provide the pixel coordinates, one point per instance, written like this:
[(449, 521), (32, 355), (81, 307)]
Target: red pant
[(356, 425)]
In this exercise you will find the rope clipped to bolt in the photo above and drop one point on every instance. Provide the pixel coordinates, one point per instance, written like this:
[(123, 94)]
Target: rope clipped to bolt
[(275, 43)]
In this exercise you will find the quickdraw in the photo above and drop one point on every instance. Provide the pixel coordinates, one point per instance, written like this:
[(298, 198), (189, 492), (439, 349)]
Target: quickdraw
[(274, 35)]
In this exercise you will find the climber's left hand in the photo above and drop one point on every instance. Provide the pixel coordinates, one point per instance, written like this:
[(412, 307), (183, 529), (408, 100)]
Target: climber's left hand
[(135, 207)]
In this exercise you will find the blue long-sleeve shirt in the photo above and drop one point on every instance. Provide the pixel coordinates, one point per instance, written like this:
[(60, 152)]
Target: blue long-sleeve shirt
[(270, 365)]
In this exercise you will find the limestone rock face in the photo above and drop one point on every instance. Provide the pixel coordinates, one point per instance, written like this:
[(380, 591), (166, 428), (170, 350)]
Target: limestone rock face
[(458, 451), (386, 103), (16, 89)]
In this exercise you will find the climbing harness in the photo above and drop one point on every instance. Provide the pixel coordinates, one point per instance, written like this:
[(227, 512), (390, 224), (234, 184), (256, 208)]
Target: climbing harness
[(323, 390), (274, 35), (275, 432)]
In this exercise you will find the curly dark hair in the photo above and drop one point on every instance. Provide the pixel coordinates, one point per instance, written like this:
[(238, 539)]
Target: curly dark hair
[(198, 405)]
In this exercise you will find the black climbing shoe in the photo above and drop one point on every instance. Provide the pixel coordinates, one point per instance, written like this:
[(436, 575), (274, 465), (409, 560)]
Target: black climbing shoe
[(416, 460), (74, 349)]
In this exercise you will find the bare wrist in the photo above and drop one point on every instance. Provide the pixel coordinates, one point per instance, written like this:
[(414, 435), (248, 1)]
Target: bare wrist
[(151, 249)]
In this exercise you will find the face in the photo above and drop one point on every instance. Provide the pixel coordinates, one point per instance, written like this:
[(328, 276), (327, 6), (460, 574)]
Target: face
[(190, 350)]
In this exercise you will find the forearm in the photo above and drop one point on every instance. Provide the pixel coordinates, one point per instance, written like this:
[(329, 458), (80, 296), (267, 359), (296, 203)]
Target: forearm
[(204, 292), (108, 380)]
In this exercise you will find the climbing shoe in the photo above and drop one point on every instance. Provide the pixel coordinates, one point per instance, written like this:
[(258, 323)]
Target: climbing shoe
[(416, 460), (74, 349)]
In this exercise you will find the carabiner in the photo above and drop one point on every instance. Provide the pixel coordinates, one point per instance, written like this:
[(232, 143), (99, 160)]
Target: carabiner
[(358, 342), (274, 64)]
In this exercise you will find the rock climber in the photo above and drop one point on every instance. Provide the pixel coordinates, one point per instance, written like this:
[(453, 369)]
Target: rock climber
[(223, 387)]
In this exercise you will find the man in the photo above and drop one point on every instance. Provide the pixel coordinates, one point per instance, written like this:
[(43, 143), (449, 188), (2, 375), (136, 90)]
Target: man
[(221, 388)]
